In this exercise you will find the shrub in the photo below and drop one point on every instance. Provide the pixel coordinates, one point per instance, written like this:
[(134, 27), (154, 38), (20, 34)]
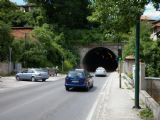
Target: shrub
[(67, 65)]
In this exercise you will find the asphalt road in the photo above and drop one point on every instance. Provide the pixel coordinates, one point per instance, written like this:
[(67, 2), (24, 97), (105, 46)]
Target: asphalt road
[(49, 101)]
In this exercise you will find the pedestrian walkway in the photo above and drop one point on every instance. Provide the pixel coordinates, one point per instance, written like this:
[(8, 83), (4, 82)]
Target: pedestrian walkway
[(116, 103)]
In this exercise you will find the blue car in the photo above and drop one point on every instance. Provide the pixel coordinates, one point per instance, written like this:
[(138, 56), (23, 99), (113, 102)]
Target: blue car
[(78, 78)]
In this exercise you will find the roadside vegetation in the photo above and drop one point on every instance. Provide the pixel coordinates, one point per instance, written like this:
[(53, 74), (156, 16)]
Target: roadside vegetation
[(146, 114), (60, 26)]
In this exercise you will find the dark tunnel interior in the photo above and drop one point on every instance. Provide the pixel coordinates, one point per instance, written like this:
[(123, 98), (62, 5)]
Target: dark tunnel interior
[(100, 57)]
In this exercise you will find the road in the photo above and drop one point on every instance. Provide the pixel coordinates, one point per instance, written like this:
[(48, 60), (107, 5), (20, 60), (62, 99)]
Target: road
[(49, 101)]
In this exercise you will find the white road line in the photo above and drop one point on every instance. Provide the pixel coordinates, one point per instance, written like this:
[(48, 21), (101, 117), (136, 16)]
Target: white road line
[(101, 94)]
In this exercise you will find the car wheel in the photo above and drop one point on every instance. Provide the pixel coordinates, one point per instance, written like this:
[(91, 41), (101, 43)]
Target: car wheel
[(43, 80), (33, 79), (67, 88), (17, 78)]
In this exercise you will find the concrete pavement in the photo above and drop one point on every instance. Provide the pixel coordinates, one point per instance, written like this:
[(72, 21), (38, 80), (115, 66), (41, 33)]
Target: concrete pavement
[(116, 103)]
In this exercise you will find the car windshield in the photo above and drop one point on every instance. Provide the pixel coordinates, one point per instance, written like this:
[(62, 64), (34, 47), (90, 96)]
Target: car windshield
[(75, 74)]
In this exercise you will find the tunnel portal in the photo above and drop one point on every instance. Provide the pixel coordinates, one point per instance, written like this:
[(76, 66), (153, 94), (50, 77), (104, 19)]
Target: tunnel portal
[(100, 57)]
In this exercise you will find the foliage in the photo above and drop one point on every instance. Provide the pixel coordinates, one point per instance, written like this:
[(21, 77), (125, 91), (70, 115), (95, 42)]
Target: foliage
[(67, 65), (149, 50), (146, 113), (113, 13), (116, 17), (51, 41), (82, 37), (29, 53), (152, 59), (70, 13), (18, 18), (129, 48), (7, 7), (35, 17), (46, 36), (5, 41)]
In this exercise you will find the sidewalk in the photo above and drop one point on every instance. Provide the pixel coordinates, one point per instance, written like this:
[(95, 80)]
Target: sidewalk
[(116, 103)]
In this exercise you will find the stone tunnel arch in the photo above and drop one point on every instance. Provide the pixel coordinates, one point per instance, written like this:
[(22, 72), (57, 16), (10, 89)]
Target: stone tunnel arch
[(100, 57)]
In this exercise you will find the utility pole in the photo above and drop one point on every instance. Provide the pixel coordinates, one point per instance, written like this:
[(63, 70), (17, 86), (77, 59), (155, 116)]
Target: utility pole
[(62, 63), (10, 59)]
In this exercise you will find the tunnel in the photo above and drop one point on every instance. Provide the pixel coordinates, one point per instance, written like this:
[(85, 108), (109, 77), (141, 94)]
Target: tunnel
[(100, 57)]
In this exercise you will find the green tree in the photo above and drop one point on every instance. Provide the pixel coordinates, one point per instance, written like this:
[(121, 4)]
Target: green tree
[(152, 58), (116, 17), (30, 53), (149, 49), (5, 41), (7, 11), (65, 13), (48, 38)]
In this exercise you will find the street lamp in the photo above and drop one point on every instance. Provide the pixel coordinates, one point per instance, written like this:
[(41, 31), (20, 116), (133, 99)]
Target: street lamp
[(137, 63), (119, 60)]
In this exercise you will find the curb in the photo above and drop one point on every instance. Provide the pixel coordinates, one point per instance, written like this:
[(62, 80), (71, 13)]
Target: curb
[(151, 103)]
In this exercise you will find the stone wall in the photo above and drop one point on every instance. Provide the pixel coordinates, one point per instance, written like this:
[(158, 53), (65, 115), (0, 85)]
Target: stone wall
[(153, 87), (4, 68), (7, 68)]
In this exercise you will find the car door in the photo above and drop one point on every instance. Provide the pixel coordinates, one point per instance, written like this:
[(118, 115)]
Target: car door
[(29, 74), (23, 74)]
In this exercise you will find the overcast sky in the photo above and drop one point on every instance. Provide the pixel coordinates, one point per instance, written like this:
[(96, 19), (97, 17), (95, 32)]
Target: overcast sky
[(18, 2)]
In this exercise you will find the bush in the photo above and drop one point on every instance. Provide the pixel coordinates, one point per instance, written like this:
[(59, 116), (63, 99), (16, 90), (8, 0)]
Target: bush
[(67, 65)]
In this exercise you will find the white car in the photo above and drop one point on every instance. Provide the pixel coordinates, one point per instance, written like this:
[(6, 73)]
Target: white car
[(100, 71)]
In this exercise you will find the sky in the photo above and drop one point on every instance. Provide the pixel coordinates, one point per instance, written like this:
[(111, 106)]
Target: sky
[(18, 2), (150, 12)]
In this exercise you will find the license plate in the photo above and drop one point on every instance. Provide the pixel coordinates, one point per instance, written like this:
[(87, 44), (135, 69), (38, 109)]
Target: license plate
[(75, 81)]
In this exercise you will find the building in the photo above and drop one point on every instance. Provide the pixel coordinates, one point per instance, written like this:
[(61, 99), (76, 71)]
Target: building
[(21, 32)]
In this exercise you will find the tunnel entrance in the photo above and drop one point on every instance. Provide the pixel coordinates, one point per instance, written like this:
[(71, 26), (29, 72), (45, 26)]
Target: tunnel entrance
[(100, 57)]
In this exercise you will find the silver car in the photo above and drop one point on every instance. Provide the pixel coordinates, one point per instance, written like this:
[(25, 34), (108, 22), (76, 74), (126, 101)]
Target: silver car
[(100, 71), (33, 75)]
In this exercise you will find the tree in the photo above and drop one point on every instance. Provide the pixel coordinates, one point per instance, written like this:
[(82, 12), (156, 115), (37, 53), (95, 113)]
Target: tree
[(152, 58), (5, 41), (48, 38), (149, 50), (7, 11), (113, 13), (65, 13)]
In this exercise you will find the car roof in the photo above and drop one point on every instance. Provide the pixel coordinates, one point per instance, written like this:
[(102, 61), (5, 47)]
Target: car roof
[(100, 68)]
